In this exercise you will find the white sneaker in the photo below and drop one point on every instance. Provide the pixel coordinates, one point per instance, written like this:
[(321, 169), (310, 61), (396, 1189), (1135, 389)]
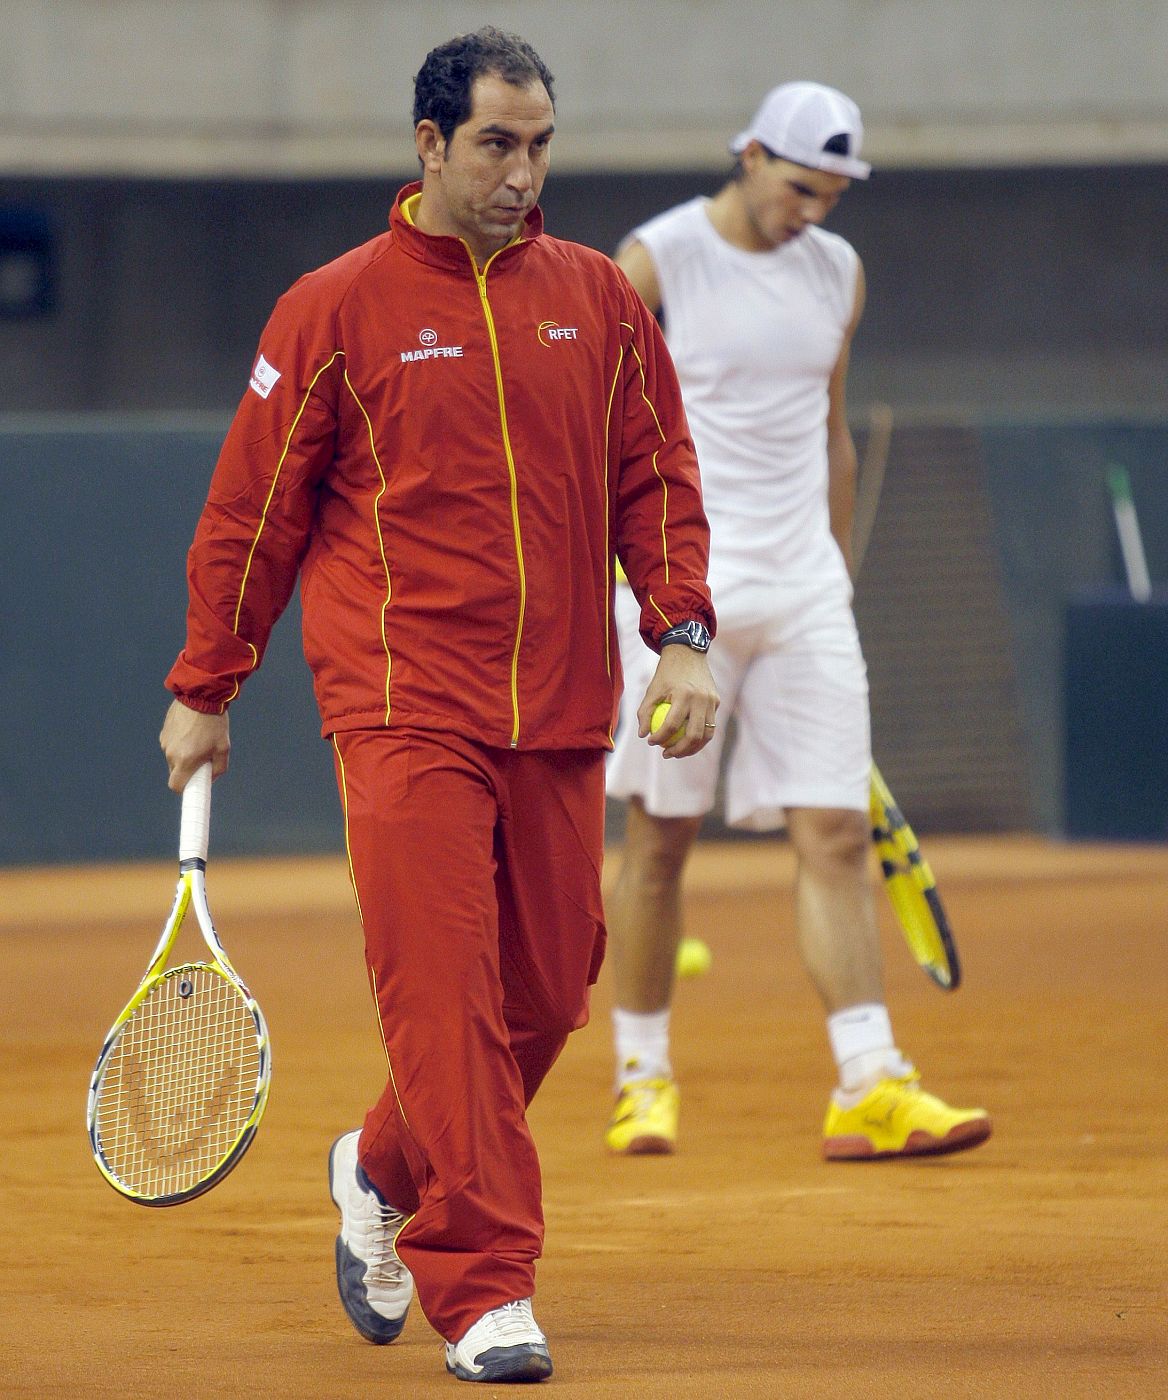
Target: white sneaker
[(503, 1345), (375, 1286)]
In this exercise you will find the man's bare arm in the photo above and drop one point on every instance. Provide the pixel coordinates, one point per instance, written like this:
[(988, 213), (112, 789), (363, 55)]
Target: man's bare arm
[(634, 261), (841, 450)]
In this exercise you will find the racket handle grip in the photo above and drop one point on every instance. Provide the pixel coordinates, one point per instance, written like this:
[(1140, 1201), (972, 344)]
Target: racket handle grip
[(195, 827)]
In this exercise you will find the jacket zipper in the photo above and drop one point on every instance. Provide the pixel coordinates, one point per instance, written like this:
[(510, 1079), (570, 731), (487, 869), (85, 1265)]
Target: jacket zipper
[(481, 279)]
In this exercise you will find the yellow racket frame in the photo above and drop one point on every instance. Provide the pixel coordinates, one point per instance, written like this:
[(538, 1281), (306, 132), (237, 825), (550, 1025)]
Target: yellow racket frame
[(911, 888), (190, 893)]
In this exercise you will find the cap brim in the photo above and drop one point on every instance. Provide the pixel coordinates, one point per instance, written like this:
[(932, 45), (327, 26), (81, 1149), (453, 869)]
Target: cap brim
[(833, 164), (843, 165), (836, 165)]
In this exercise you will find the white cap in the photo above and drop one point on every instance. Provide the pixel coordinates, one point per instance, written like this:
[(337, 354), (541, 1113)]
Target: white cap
[(798, 120)]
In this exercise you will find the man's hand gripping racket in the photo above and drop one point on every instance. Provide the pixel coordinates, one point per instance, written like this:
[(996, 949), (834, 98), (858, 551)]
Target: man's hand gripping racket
[(182, 1079), (911, 888)]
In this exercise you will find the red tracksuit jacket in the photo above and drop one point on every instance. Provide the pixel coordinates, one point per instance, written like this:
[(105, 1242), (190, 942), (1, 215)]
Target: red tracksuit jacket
[(450, 457)]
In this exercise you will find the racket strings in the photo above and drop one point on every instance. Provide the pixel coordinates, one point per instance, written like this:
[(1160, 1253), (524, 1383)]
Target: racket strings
[(180, 1084)]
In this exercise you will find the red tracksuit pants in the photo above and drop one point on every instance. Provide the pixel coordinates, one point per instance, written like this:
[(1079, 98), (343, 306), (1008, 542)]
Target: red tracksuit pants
[(477, 873)]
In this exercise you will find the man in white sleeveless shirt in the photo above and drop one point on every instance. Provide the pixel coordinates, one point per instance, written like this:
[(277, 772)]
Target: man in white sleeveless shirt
[(759, 307)]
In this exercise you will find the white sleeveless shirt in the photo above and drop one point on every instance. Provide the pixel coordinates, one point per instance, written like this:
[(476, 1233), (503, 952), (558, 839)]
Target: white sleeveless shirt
[(755, 337)]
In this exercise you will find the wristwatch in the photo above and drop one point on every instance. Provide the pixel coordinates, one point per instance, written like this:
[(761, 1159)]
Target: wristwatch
[(694, 635)]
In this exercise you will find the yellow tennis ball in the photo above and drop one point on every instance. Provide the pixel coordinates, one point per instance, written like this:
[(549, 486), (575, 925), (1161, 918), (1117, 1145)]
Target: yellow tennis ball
[(693, 957), (657, 719)]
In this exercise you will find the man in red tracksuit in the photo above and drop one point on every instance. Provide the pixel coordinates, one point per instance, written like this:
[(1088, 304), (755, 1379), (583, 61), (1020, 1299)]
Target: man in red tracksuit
[(448, 435)]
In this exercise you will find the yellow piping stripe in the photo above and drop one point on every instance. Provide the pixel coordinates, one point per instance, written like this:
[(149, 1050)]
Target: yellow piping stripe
[(380, 541), (644, 393), (357, 897), (481, 279), (657, 610), (607, 547), (345, 812), (660, 478), (385, 1046), (264, 516)]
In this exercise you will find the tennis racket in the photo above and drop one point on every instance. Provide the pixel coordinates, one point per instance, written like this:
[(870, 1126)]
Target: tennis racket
[(182, 1079), (911, 888)]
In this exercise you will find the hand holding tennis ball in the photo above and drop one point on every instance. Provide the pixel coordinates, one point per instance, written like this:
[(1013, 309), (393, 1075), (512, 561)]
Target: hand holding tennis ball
[(658, 718)]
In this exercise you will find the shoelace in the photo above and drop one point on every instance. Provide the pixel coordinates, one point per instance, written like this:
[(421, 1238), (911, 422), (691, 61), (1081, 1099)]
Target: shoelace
[(382, 1223), (639, 1098), (511, 1322)]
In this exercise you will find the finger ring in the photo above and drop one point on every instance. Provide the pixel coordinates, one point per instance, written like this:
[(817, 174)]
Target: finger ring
[(709, 726)]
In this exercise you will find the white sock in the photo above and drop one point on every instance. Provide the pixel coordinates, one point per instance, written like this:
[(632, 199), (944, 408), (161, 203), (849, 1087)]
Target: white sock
[(642, 1045), (861, 1041)]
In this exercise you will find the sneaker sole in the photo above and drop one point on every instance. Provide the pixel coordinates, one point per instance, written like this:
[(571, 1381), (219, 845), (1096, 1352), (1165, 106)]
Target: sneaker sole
[(857, 1148), (522, 1363), (371, 1325), (645, 1146)]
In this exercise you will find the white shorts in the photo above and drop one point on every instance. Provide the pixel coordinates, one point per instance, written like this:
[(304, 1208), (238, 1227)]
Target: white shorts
[(788, 668)]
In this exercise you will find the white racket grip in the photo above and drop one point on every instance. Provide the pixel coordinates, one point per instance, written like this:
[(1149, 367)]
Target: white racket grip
[(1131, 546), (195, 828)]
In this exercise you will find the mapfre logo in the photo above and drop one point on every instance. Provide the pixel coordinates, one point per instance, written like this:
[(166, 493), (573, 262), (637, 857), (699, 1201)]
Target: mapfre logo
[(431, 350), (263, 378), (550, 332)]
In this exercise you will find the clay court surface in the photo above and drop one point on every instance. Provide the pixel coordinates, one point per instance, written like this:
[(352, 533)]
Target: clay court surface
[(743, 1266)]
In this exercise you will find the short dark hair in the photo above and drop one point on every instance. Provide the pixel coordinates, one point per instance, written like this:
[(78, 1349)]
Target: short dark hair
[(442, 87), (738, 174)]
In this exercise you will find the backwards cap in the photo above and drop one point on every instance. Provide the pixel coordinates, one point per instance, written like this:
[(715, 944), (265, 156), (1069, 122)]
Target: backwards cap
[(811, 125)]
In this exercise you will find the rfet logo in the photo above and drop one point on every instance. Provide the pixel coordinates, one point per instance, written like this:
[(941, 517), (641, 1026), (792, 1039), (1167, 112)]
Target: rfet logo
[(551, 331)]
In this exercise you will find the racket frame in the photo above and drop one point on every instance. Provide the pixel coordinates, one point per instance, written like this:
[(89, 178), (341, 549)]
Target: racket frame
[(911, 888), (908, 880), (191, 892)]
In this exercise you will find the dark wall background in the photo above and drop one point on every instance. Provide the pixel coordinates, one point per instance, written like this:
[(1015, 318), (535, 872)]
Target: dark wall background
[(1021, 314), (96, 522), (984, 539), (987, 288), (1058, 546)]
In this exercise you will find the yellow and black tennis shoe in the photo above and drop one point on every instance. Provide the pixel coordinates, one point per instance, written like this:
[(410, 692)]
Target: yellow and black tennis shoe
[(896, 1118), (644, 1120)]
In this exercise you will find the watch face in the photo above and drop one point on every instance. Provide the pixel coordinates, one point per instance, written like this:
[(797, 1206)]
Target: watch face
[(691, 634), (699, 636)]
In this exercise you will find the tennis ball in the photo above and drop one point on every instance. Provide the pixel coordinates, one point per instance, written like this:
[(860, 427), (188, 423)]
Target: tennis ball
[(657, 719), (693, 958)]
